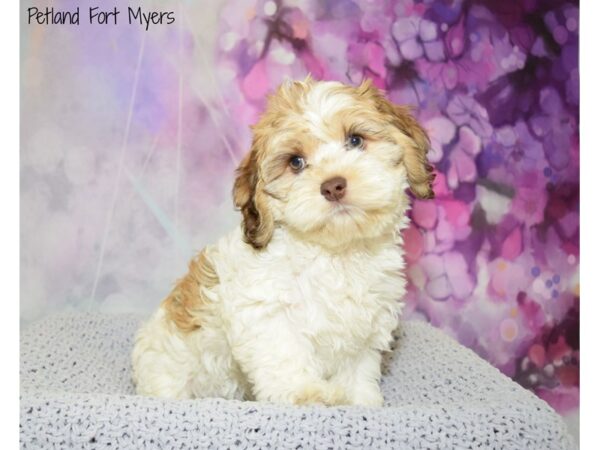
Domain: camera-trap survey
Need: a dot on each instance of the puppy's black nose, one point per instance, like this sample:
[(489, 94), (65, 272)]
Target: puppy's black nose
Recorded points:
[(334, 188)]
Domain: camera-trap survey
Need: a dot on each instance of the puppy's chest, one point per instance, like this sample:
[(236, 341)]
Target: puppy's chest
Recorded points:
[(339, 304)]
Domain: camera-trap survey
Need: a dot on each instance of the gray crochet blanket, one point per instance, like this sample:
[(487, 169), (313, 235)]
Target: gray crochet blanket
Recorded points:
[(76, 392)]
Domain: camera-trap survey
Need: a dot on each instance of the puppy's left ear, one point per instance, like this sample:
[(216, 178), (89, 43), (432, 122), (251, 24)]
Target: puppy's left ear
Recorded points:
[(419, 172), (248, 197)]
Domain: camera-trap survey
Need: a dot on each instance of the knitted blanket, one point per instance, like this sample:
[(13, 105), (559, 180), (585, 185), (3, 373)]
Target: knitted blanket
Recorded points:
[(76, 392)]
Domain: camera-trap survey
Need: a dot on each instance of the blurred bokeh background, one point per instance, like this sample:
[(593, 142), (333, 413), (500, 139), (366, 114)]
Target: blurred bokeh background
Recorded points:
[(130, 139)]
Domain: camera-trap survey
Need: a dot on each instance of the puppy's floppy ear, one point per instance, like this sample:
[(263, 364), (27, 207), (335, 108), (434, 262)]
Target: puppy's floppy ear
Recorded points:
[(249, 198), (419, 171)]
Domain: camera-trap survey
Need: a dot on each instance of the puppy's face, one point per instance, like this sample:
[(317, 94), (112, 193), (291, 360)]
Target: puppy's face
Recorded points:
[(331, 163)]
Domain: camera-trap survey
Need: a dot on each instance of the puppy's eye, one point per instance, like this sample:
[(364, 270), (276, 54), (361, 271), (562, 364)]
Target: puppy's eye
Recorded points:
[(297, 163), (356, 141)]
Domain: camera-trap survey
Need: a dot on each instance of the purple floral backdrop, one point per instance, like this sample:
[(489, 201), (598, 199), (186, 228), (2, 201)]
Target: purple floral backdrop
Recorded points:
[(494, 259), (130, 139)]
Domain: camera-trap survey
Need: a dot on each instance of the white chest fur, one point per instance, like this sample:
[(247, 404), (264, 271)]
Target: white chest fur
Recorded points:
[(338, 303)]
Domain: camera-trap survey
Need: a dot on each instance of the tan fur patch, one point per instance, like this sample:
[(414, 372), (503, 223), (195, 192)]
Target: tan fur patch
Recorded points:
[(249, 196), (419, 171), (249, 187), (184, 304)]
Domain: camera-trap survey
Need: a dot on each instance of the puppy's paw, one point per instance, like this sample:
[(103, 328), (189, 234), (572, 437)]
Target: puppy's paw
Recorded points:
[(320, 392), (367, 396)]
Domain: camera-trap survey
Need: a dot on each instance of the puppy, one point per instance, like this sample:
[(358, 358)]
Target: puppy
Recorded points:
[(297, 305)]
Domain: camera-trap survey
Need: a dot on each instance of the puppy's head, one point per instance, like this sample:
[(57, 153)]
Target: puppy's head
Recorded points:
[(331, 163)]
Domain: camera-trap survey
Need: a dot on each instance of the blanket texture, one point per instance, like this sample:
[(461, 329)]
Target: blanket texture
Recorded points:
[(76, 392)]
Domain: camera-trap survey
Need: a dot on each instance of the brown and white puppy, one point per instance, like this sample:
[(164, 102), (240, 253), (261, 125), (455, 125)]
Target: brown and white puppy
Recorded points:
[(297, 304)]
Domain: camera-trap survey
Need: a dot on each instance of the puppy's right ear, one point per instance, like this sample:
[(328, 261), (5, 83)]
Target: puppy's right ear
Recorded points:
[(248, 197)]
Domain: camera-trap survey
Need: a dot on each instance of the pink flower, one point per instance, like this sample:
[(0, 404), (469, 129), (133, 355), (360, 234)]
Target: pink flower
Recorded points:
[(441, 131), (256, 84), (448, 276), (440, 185), (413, 243), (512, 245), (462, 165), (416, 36), (455, 39), (528, 204), (533, 317), (465, 110), (457, 271), (424, 213), (507, 279)]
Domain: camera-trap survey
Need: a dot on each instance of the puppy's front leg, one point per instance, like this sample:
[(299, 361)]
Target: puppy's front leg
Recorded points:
[(360, 377), (280, 367)]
